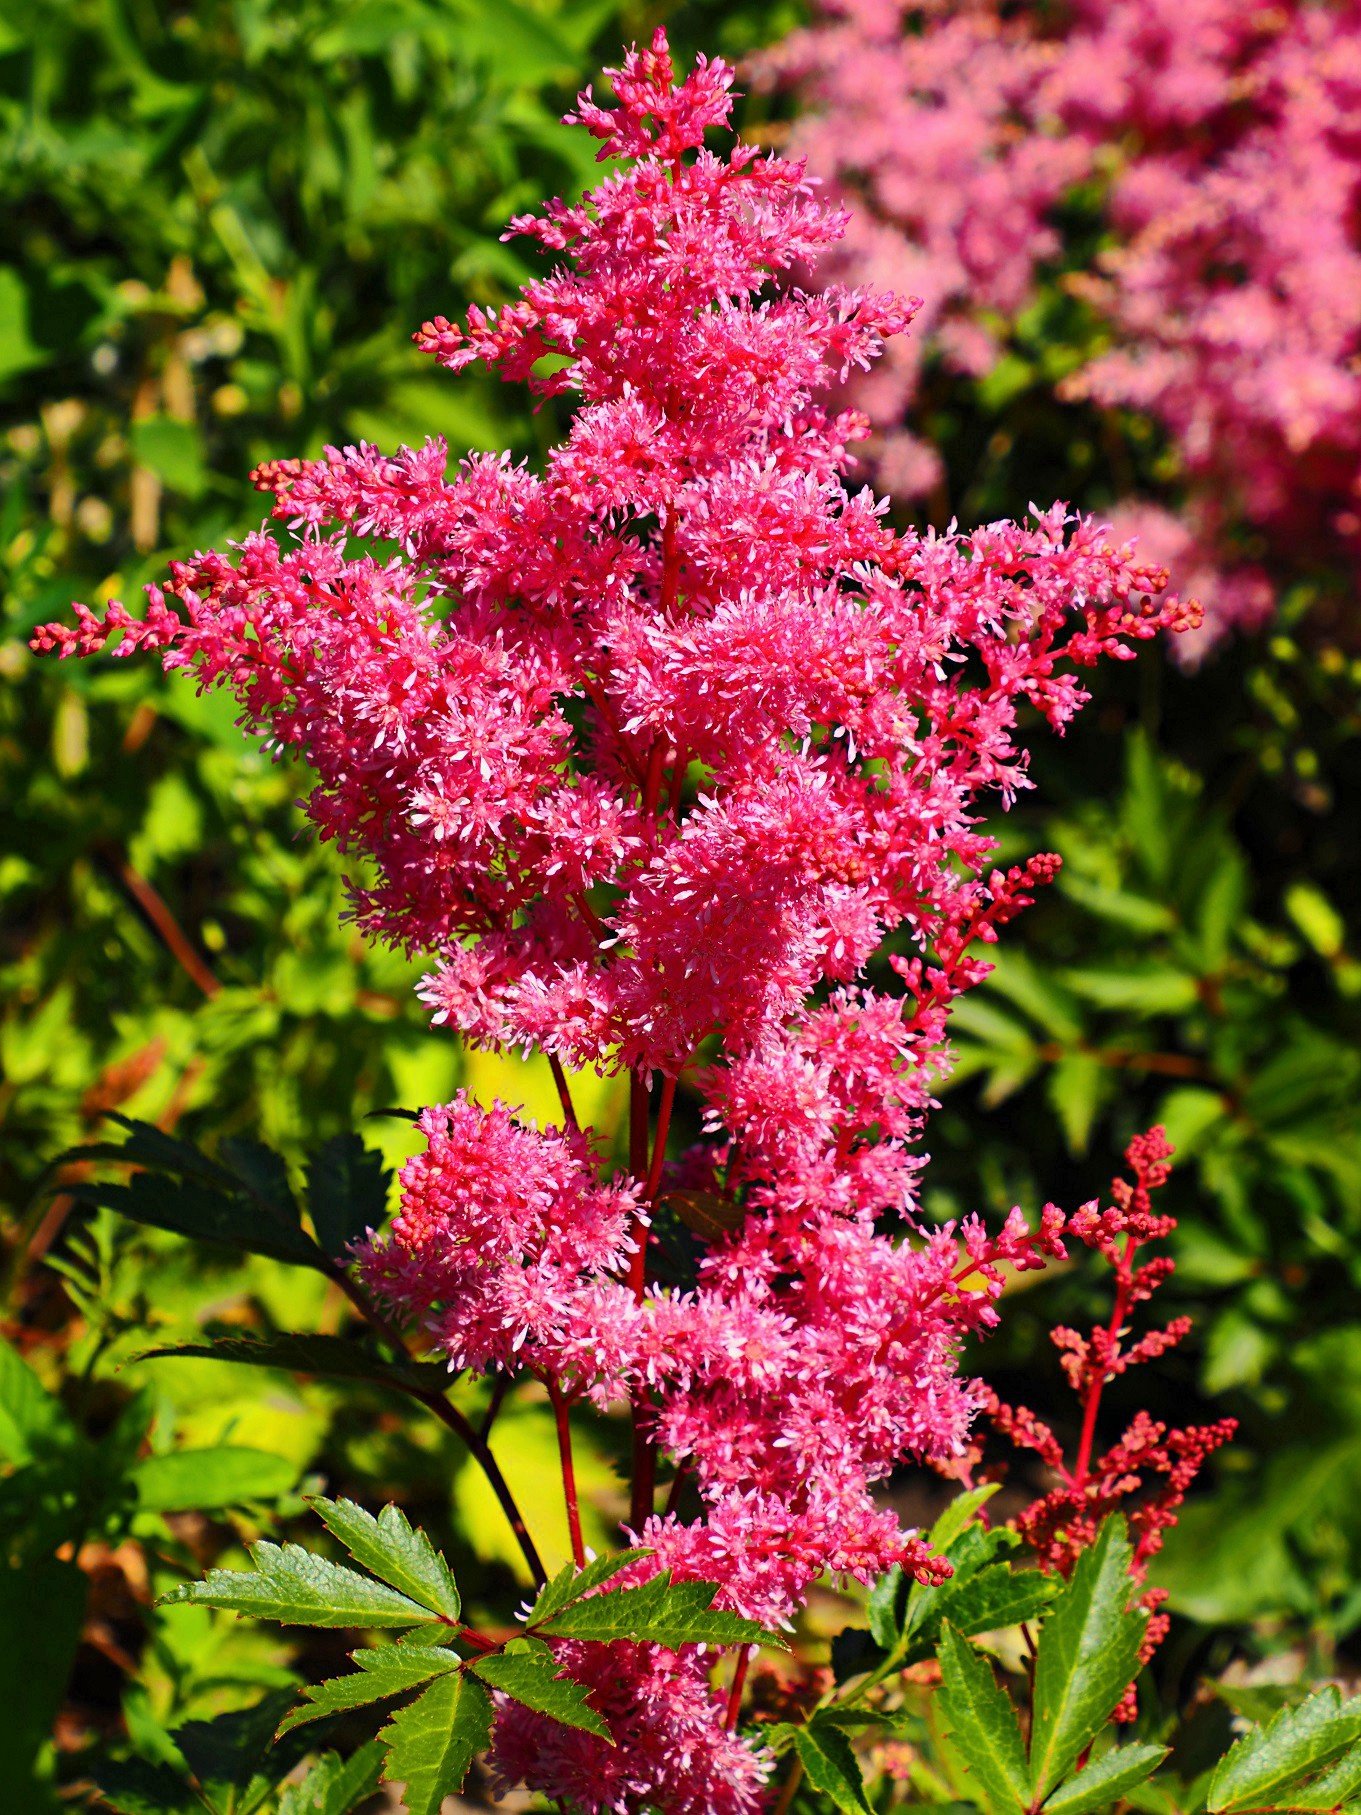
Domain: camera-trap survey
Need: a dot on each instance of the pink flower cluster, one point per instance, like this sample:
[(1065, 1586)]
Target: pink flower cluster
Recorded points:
[(1225, 142), (652, 751)]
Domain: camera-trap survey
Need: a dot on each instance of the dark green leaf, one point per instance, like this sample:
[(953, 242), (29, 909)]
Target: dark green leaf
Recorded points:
[(335, 1357), (298, 1588), (42, 1607), (242, 1201), (432, 1742), (383, 1672), (347, 1192), (854, 1651), (983, 1727), (393, 1551), (1105, 1780), (132, 1786), (1263, 1767), (335, 1786), (1087, 1657), (531, 1678), (831, 1767)]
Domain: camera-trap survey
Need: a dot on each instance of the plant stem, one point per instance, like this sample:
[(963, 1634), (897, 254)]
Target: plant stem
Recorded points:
[(564, 1093), (739, 1681), (788, 1788), (451, 1416), (569, 1478), (664, 1107)]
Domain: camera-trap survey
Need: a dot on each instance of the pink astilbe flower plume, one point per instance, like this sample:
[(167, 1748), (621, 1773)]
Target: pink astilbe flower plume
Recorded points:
[(1221, 144), (650, 752)]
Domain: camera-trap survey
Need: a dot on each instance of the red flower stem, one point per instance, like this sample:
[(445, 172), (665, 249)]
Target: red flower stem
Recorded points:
[(681, 1476), (739, 1680), (652, 785), (644, 1451), (664, 1107), (1097, 1385), (564, 1093), (569, 1476)]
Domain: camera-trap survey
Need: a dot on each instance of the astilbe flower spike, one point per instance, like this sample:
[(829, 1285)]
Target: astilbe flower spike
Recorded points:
[(651, 751), (1146, 1473), (1222, 141)]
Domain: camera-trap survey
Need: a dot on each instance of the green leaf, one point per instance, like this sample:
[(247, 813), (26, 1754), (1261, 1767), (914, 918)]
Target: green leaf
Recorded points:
[(298, 1588), (393, 1551), (385, 1671), (983, 1726), (239, 1751), (32, 1422), (831, 1767), (42, 1608), (530, 1677), (174, 452), (334, 1786), (661, 1612), (203, 1480), (334, 1357), (570, 1583), (132, 1786), (347, 1192), (999, 1596), (1075, 1087), (1105, 1780), (1088, 1655), (432, 1742), (240, 1201), (1261, 1769), (1144, 989)]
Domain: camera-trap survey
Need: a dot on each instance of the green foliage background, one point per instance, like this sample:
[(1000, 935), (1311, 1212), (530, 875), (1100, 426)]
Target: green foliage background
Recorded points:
[(221, 222)]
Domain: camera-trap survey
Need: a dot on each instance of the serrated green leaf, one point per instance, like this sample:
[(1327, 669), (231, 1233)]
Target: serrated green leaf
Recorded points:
[(999, 1596), (1105, 1780), (347, 1192), (531, 1678), (334, 1357), (570, 1583), (203, 1480), (1263, 1766), (661, 1612), (299, 1588), (398, 1669), (335, 1786), (395, 1551), (831, 1767), (983, 1726), (241, 1202), (432, 1742), (1087, 1657), (1337, 1786)]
